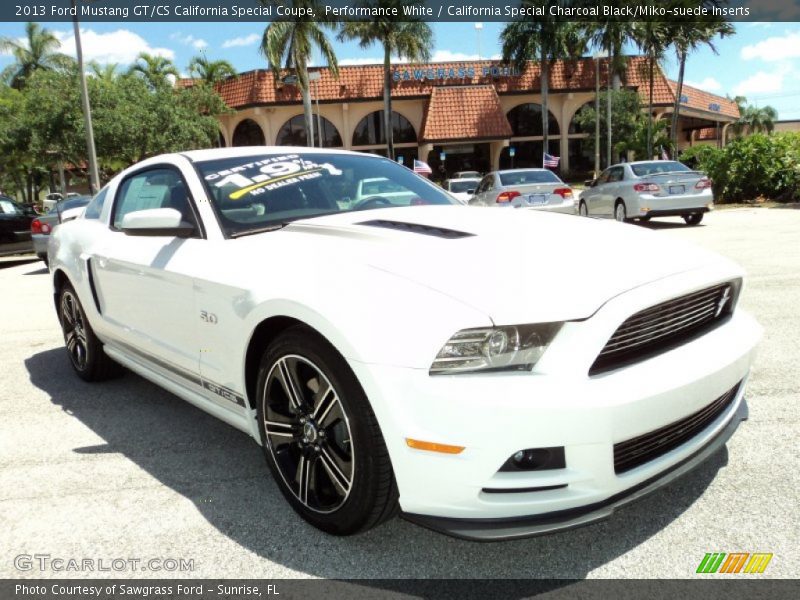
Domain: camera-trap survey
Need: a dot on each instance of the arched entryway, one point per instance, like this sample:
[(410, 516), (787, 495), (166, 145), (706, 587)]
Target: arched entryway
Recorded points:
[(293, 133), (248, 133)]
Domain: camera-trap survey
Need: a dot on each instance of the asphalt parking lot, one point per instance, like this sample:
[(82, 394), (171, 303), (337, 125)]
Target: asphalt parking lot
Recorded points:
[(125, 469)]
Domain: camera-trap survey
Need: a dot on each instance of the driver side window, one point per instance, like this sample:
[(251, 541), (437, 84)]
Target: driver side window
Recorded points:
[(155, 188)]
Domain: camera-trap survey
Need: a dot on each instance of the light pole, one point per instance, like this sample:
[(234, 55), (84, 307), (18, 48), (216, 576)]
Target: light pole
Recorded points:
[(94, 177), (314, 76), (478, 27), (597, 57)]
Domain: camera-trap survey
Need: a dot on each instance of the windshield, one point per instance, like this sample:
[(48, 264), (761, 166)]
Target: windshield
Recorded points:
[(656, 167), (251, 193), (525, 177), (458, 187)]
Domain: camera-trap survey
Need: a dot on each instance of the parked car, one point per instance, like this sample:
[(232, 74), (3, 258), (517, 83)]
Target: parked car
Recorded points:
[(467, 175), (51, 199), (539, 189), (520, 389), (646, 189), (381, 190), (42, 226), (15, 227), (461, 189)]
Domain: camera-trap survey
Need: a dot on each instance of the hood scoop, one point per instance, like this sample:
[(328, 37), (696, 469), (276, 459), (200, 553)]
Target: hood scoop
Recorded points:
[(441, 232)]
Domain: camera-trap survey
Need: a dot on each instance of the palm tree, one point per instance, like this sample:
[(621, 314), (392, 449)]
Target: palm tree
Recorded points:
[(410, 39), (653, 38), (37, 51), (611, 36), (107, 73), (155, 70), (754, 119), (546, 40), (210, 71), (686, 38), (290, 45)]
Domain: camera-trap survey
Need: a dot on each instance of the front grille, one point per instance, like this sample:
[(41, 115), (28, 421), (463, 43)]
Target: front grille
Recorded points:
[(639, 450), (663, 326)]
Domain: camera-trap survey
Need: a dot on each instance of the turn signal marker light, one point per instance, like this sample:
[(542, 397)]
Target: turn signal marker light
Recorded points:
[(433, 446)]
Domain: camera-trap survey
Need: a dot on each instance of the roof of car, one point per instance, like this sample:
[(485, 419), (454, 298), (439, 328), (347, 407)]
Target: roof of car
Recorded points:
[(464, 179)]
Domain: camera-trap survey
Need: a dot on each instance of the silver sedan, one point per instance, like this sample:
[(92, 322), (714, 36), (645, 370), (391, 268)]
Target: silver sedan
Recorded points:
[(645, 189), (525, 188)]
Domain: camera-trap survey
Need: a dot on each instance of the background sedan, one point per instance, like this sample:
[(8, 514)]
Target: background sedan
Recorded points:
[(525, 188), (462, 189), (42, 226), (645, 189), (15, 227)]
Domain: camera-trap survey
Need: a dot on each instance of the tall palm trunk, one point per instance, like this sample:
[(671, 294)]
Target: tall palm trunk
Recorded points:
[(651, 81), (545, 101), (307, 114), (387, 101), (676, 109), (609, 149)]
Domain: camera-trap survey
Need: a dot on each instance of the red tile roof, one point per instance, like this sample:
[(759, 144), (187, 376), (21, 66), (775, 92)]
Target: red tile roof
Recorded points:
[(705, 101), (365, 82), (464, 112)]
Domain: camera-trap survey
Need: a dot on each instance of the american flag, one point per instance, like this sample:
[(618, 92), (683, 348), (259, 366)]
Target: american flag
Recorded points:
[(422, 168), (550, 161)]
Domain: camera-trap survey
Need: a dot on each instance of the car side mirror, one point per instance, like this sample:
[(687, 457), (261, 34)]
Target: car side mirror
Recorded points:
[(590, 182), (472, 191), (156, 222)]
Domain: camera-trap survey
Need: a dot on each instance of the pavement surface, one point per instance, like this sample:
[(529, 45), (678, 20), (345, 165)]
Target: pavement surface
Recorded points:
[(126, 470)]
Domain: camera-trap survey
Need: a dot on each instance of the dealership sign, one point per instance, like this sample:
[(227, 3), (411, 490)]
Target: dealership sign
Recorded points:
[(443, 74)]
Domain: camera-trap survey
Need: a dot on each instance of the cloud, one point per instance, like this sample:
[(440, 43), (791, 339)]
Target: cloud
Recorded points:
[(449, 56), (708, 84), (774, 48), (121, 46), (246, 40), (189, 40), (367, 60), (763, 82)]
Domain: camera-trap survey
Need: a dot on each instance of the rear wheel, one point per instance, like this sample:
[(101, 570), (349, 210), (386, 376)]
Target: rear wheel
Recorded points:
[(321, 439), (85, 351), (620, 213), (583, 209), (693, 219)]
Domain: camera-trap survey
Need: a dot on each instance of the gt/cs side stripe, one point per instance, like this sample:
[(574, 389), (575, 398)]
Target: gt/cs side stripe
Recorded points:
[(219, 390)]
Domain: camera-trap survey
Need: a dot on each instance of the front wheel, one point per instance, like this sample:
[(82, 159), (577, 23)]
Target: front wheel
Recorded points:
[(86, 353), (693, 219), (583, 209), (321, 438)]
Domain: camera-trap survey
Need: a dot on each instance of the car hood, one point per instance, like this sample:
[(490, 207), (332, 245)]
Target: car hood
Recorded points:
[(512, 265)]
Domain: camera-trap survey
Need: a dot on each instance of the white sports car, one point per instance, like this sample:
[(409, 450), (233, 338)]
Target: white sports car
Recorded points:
[(477, 370)]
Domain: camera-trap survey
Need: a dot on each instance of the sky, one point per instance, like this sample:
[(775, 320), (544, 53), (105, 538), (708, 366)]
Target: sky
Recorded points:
[(760, 62)]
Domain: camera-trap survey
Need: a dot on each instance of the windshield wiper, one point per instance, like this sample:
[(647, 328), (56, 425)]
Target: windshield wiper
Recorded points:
[(267, 229)]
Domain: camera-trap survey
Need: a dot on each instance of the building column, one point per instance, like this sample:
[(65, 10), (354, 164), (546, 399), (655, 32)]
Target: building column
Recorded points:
[(725, 134), (564, 141), (422, 152), (260, 116), (347, 140), (495, 149)]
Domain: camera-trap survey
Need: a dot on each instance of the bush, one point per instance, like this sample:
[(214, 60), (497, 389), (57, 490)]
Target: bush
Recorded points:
[(751, 167)]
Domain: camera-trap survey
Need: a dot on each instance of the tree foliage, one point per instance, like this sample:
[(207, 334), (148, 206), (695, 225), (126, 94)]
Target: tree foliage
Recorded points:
[(43, 124)]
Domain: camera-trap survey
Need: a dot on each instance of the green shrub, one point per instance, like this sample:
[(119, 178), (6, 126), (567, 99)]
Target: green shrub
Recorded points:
[(751, 167)]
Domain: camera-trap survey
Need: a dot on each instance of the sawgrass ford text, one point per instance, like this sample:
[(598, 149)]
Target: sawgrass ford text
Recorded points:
[(632, 11)]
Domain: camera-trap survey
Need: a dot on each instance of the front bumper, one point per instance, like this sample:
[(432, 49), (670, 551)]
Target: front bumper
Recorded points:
[(487, 530), (494, 415)]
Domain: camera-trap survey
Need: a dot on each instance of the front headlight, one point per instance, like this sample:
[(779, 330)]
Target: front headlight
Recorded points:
[(508, 348)]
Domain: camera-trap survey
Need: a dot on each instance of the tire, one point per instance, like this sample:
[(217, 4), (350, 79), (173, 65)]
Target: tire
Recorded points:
[(693, 219), (86, 354), (320, 431), (620, 212), (583, 210)]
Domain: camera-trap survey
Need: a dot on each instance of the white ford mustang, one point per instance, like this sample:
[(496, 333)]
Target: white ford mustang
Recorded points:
[(490, 375)]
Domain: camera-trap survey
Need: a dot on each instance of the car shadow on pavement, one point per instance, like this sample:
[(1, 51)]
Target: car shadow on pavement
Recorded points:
[(223, 472), (42, 271), (656, 225)]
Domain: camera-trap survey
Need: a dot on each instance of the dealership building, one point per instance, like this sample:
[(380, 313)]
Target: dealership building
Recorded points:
[(479, 115)]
